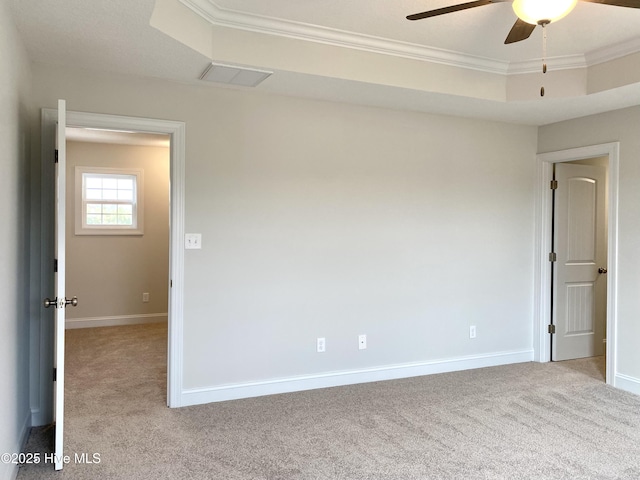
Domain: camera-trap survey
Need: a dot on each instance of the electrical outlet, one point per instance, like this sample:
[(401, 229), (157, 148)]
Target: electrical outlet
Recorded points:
[(472, 331), (362, 342), (145, 297), (321, 345)]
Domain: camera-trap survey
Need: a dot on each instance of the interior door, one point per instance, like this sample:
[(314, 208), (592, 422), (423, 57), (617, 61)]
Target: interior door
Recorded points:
[(60, 302), (580, 236), (60, 222)]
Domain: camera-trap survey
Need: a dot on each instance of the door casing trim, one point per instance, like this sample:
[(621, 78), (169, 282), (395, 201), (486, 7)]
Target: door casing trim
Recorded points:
[(40, 403), (543, 228)]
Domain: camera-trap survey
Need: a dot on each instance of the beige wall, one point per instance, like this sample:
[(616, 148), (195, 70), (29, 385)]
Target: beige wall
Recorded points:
[(109, 273), (619, 126), (334, 220)]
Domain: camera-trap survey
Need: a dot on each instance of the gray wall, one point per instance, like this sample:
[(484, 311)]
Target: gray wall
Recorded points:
[(326, 219), (15, 83), (620, 126), (109, 273)]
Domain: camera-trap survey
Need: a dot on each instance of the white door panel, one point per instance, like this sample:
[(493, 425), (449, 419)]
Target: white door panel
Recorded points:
[(580, 244), (60, 190), (60, 302)]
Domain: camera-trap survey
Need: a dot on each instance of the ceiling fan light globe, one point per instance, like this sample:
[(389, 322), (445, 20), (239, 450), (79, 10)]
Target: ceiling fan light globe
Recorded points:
[(534, 11)]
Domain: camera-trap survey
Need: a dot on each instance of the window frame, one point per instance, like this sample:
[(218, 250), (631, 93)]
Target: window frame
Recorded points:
[(82, 228)]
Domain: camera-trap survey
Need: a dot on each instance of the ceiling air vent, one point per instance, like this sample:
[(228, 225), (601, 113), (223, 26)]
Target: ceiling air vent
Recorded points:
[(233, 75)]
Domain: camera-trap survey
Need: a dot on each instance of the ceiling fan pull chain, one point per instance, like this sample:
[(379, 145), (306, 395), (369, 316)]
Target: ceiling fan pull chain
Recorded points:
[(543, 24)]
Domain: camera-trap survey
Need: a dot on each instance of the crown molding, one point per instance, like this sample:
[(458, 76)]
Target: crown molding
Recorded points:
[(224, 17), (568, 62), (613, 52)]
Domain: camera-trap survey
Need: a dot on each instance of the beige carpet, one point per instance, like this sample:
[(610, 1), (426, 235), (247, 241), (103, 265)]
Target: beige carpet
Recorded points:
[(526, 421)]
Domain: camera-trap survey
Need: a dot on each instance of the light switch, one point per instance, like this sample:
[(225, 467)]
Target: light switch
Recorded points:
[(192, 241)]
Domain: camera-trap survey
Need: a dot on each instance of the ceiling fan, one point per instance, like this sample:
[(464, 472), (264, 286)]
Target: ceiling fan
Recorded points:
[(530, 13)]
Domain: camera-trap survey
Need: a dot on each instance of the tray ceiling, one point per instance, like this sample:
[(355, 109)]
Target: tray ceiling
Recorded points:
[(361, 51)]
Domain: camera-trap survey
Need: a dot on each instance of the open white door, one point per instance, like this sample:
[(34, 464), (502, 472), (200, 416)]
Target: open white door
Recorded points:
[(58, 350), (60, 301), (580, 242)]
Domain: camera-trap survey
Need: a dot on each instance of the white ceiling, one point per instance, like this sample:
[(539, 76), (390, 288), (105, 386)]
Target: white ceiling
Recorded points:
[(478, 31), (112, 35), (116, 36)]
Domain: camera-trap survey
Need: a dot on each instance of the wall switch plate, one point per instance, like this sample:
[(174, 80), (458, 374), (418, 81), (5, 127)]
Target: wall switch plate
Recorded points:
[(192, 241), (145, 297), (472, 331), (321, 345), (362, 342)]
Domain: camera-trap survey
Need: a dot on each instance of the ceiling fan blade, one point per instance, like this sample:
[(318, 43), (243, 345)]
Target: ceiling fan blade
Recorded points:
[(521, 30), (453, 8), (617, 3)]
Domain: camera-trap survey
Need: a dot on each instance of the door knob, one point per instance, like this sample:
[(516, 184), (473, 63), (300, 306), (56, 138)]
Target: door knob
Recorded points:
[(50, 303), (73, 302), (602, 270), (54, 303)]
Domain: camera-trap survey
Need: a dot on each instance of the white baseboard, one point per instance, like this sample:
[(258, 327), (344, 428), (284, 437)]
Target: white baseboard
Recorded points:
[(10, 470), (222, 393), (37, 418), (625, 382), (115, 320)]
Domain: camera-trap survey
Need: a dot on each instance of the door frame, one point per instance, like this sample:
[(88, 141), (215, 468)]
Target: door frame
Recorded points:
[(543, 229), (41, 404)]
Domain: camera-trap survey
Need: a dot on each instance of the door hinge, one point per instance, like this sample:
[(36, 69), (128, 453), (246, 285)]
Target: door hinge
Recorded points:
[(55, 265), (55, 374), (553, 257), (554, 185), (552, 329), (56, 157)]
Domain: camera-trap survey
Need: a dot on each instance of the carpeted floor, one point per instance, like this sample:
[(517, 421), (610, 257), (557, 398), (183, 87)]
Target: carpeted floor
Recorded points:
[(525, 421)]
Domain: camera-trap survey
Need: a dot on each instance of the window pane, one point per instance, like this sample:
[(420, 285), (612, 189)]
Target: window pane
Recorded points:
[(110, 219), (94, 219), (125, 219), (94, 194), (111, 183), (125, 195), (110, 200), (92, 182), (94, 208), (125, 184), (110, 194)]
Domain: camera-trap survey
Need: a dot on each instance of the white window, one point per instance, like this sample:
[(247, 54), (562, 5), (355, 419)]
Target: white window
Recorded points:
[(109, 201)]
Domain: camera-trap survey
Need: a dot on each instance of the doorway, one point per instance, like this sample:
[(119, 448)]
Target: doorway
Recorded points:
[(42, 357), (117, 232), (543, 301), (117, 265)]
